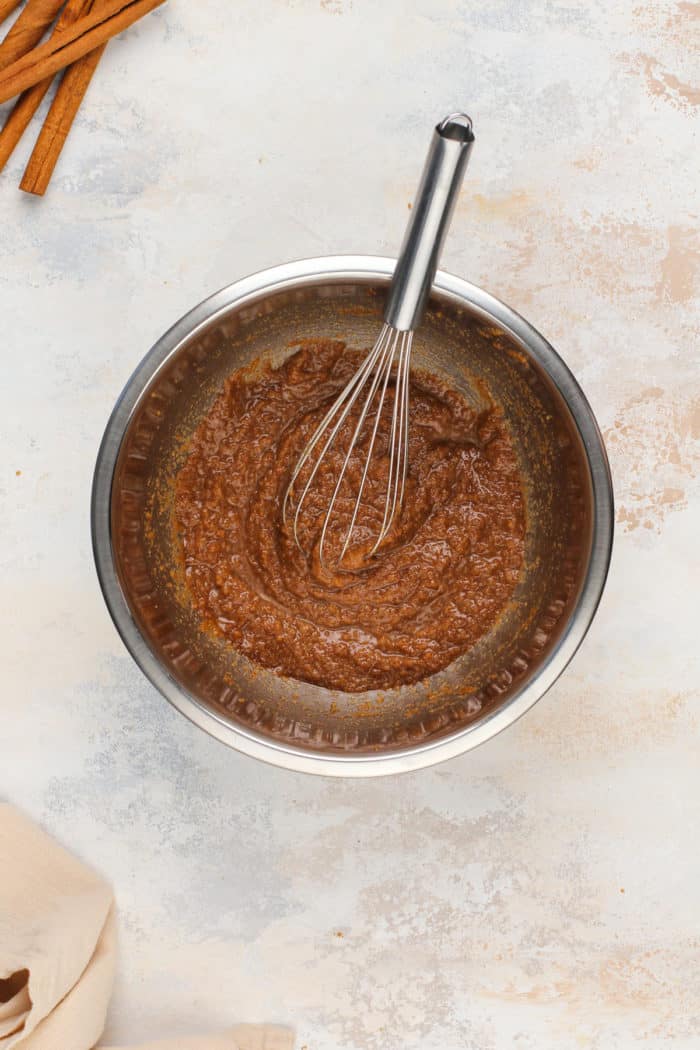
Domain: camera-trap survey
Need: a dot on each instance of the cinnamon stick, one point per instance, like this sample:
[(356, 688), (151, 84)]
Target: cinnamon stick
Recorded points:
[(84, 35), (27, 29), (28, 103), (59, 120), (7, 7)]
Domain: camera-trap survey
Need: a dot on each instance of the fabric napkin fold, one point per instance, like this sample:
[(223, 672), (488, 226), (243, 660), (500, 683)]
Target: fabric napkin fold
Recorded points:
[(58, 952)]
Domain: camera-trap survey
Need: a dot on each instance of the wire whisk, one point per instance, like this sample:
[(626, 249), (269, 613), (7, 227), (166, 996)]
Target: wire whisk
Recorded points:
[(390, 356)]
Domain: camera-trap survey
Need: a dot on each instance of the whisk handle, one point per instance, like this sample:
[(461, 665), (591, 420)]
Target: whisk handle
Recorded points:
[(437, 193)]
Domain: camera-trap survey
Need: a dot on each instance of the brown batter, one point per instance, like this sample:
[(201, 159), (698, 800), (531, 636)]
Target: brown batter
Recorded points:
[(438, 583)]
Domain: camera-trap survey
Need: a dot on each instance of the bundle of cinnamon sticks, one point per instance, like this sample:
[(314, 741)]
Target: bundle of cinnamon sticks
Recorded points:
[(79, 32)]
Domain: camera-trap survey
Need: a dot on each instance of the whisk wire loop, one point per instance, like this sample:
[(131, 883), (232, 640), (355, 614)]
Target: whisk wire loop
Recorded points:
[(373, 378)]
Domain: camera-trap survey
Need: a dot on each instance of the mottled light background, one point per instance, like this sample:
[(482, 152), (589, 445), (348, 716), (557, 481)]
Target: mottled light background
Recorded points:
[(543, 891)]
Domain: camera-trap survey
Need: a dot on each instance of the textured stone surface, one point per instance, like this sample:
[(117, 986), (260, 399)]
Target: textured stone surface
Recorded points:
[(541, 892)]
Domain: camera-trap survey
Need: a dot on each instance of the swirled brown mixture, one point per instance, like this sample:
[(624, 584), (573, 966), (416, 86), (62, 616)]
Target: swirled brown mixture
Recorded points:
[(437, 584)]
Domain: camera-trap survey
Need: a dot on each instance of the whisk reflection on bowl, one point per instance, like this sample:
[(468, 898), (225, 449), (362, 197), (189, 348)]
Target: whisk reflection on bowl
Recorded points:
[(387, 366)]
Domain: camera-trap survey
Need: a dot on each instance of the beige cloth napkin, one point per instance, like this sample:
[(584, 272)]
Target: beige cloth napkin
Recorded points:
[(58, 952)]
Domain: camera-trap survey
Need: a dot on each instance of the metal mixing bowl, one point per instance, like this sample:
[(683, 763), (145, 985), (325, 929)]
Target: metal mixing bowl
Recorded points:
[(480, 344)]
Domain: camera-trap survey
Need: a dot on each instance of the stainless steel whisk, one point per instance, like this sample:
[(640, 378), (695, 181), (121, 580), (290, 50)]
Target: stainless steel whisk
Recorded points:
[(408, 296)]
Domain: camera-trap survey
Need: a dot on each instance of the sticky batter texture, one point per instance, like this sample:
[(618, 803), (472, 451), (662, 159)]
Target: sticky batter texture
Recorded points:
[(439, 581)]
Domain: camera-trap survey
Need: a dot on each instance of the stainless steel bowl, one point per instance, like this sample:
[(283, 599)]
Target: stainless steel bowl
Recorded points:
[(479, 343)]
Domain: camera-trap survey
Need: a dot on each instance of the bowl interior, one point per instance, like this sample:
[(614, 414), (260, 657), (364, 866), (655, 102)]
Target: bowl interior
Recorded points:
[(456, 340)]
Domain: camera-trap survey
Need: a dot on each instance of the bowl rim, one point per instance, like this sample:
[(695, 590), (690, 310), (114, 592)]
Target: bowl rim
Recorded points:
[(340, 268)]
